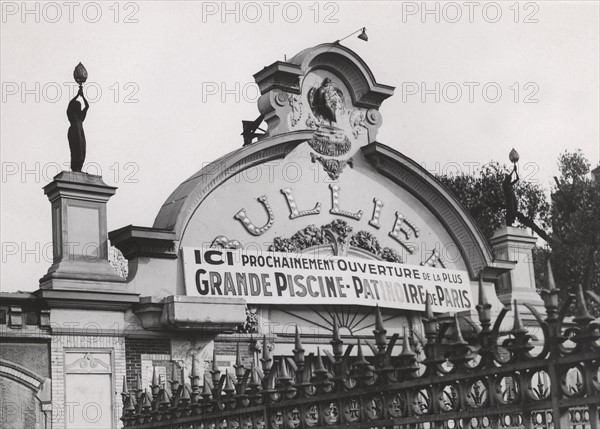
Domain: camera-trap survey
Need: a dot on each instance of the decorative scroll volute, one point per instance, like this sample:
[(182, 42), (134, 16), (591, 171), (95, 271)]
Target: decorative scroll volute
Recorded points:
[(89, 363)]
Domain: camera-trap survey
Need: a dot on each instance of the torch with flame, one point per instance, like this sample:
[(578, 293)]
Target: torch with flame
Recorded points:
[(80, 74), (513, 156)]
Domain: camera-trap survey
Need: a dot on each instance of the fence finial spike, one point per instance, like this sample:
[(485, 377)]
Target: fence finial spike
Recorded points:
[(265, 350), (155, 380), (298, 352), (518, 326), (238, 356), (146, 403), (379, 331), (206, 390), (215, 364), (458, 337), (550, 295), (582, 315), (254, 376), (406, 350), (378, 319), (138, 381), (483, 307), (130, 404), (238, 367), (195, 371), (298, 342), (319, 365), (266, 359), (360, 357), (163, 397), (483, 300), (283, 371), (125, 391), (429, 321), (336, 330), (174, 372), (228, 384), (428, 310), (336, 341), (551, 283), (185, 393)]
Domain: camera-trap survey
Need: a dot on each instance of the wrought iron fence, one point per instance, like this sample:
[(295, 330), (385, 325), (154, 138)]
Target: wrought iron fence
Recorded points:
[(496, 380)]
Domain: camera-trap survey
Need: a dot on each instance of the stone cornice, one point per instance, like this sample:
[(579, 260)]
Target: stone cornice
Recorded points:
[(87, 300), (79, 185), (138, 241), (514, 237), (178, 312), (279, 75), (17, 297)]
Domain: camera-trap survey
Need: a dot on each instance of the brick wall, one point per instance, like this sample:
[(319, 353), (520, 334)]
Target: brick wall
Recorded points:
[(135, 348), (228, 348)]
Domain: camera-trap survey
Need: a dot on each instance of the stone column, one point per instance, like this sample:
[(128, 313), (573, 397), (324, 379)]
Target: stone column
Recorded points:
[(79, 234), (515, 245)]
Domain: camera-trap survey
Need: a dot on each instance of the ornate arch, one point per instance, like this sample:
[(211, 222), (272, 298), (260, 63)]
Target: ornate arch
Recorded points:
[(21, 375), (38, 385)]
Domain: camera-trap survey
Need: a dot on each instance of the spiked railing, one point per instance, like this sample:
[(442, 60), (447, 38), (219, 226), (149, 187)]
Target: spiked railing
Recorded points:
[(495, 379)]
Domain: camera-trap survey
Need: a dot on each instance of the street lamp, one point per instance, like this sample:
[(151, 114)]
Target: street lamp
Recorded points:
[(361, 36)]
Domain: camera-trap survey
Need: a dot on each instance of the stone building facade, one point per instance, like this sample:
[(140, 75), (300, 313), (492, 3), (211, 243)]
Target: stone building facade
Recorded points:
[(317, 185)]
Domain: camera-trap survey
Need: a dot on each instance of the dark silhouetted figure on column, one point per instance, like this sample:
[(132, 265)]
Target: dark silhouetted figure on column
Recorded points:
[(510, 198), (76, 135)]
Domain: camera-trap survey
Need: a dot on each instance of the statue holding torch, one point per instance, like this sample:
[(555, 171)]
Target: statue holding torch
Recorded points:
[(508, 183), (76, 117)]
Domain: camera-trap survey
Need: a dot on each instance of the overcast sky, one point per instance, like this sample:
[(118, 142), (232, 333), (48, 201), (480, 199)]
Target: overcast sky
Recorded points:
[(169, 83)]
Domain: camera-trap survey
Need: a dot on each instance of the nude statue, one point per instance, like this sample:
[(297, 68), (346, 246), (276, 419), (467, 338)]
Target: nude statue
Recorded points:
[(76, 135)]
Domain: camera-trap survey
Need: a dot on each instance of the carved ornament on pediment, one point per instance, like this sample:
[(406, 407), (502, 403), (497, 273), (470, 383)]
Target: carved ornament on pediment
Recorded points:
[(333, 167), (224, 243), (88, 363)]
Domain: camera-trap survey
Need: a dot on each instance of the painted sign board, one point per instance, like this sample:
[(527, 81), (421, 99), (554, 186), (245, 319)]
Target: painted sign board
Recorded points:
[(299, 279)]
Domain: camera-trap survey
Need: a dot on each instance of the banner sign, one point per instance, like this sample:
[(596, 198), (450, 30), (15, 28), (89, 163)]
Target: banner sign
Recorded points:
[(290, 278)]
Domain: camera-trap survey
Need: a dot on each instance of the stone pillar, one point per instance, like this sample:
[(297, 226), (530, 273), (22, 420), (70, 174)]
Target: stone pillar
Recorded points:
[(79, 234), (516, 244)]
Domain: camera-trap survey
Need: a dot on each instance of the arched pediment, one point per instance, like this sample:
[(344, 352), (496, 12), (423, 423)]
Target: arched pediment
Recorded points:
[(322, 111), (285, 100), (184, 204), (346, 64)]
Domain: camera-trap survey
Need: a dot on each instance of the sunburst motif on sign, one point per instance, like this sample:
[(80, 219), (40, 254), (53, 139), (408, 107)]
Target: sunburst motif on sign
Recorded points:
[(351, 320)]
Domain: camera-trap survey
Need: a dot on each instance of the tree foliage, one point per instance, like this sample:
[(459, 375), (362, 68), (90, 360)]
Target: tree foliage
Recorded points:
[(570, 223), (481, 194), (575, 216)]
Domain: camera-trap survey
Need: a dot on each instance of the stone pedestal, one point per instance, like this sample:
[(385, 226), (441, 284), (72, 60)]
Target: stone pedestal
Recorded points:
[(515, 245), (79, 234)]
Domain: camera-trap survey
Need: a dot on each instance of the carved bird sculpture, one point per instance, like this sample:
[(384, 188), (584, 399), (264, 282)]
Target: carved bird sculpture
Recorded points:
[(326, 100)]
